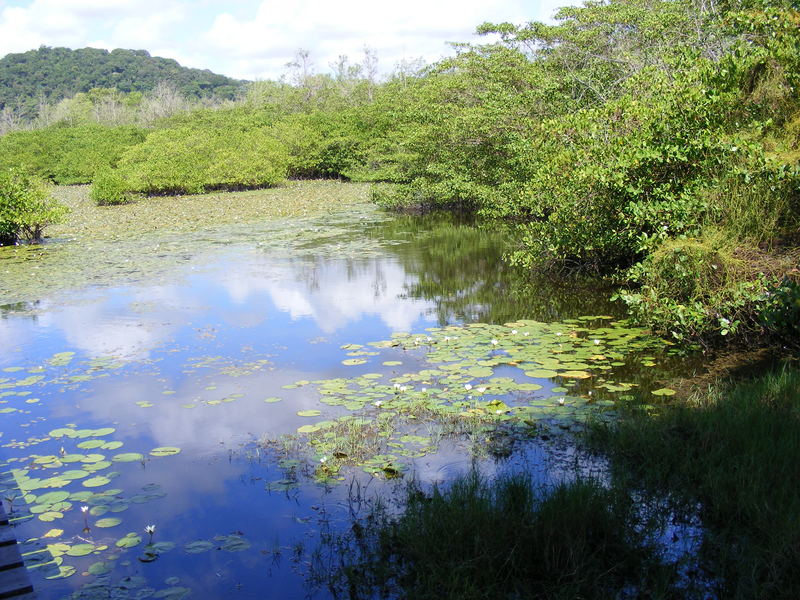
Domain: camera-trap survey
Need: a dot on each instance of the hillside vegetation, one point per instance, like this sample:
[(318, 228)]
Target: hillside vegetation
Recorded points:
[(52, 74), (653, 142)]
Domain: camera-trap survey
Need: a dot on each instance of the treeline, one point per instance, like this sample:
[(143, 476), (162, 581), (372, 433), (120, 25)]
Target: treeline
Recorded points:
[(652, 141), (51, 74)]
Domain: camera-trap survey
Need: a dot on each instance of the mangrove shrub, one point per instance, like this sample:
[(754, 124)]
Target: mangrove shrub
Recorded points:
[(26, 208)]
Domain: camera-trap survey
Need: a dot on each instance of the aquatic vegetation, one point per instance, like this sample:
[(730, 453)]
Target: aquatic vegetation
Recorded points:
[(477, 380), (143, 241), (737, 471), (501, 539)]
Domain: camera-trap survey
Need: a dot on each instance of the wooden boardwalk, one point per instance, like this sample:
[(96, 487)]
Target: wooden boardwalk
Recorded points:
[(14, 580)]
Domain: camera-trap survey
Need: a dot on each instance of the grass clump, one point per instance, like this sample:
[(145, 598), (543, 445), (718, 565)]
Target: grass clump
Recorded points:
[(734, 453), (501, 539)]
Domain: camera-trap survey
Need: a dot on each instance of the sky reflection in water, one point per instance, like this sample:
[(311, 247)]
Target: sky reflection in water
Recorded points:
[(189, 363)]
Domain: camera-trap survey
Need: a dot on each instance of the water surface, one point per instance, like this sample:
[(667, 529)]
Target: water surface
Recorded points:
[(158, 381)]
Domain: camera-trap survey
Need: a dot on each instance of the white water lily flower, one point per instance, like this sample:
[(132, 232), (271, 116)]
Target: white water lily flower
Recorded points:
[(494, 342), (597, 342), (481, 389), (526, 333), (403, 388), (561, 401), (84, 509), (151, 529), (514, 331), (498, 412), (323, 460), (558, 333), (467, 386), (377, 403), (397, 386)]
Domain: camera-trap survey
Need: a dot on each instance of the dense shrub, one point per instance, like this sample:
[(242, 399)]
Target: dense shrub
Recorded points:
[(109, 188), (26, 208), (192, 160), (67, 155)]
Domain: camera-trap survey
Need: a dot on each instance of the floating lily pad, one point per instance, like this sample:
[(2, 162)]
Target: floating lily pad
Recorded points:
[(53, 533), (96, 481), (50, 515), (663, 392), (272, 399), (165, 451), (354, 361), (99, 568), (128, 457), (64, 571), (91, 444), (172, 593), (129, 541), (80, 550), (233, 543), (52, 497), (108, 522), (309, 413), (541, 373), (198, 547)]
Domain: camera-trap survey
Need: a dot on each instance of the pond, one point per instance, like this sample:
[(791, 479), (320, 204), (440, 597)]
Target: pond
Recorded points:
[(232, 387)]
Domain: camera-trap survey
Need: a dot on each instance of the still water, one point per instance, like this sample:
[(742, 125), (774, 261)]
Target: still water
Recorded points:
[(234, 387)]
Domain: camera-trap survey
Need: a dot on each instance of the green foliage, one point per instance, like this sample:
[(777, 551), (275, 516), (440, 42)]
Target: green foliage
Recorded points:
[(67, 155), (61, 73), (109, 188), (186, 159), (781, 311), (26, 208), (501, 539), (738, 465)]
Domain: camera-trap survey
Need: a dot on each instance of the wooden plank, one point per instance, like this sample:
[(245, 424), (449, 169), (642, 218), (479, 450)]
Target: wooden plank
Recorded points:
[(9, 557), (7, 536), (15, 583)]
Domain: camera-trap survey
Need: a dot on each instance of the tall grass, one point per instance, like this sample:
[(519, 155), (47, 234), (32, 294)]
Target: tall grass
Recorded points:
[(501, 539), (735, 453)]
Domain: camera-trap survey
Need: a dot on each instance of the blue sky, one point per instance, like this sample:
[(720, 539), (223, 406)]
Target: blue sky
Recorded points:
[(254, 39)]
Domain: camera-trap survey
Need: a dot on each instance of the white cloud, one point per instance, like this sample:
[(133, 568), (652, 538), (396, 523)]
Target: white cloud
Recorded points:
[(262, 44), (75, 23), (332, 294), (255, 39)]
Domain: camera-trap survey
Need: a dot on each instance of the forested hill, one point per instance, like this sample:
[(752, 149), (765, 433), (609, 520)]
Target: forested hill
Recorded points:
[(58, 73)]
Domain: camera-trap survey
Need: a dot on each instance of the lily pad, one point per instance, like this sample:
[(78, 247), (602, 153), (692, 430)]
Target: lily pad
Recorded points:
[(128, 457), (80, 550), (96, 481), (99, 568), (129, 541), (198, 547), (108, 522), (165, 451), (663, 392), (309, 413)]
